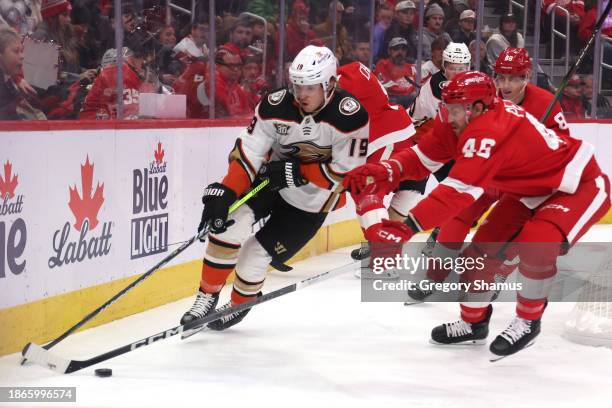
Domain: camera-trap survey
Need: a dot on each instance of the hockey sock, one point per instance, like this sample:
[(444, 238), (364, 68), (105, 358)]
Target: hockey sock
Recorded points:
[(471, 314), (530, 309), (238, 297)]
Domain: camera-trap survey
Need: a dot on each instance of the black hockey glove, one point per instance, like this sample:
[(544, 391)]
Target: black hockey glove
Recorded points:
[(282, 174), (217, 200)]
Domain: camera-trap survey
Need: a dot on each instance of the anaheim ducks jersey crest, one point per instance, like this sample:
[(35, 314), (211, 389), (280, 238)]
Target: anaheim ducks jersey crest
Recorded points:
[(331, 140)]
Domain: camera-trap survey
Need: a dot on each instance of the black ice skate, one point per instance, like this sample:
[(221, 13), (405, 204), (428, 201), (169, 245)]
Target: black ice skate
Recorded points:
[(204, 304), (498, 280), (520, 334), (361, 253), (229, 320), (461, 332), (431, 242), (419, 295)]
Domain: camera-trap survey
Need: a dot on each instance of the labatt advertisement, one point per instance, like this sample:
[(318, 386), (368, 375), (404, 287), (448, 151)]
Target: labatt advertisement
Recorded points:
[(13, 231), (149, 228), (85, 237)]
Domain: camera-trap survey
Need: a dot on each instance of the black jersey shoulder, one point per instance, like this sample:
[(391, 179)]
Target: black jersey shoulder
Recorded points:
[(344, 112), (436, 82), (279, 104)]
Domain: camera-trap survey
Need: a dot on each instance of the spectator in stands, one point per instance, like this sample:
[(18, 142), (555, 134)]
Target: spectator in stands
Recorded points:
[(361, 49), (240, 36), (324, 32), (81, 19), (587, 94), (434, 22), (11, 60), (484, 66), (133, 36), (192, 83), (231, 100), (101, 101), (434, 65), (507, 36), (384, 16), (451, 17), (465, 33), (402, 26), (460, 6), (397, 75), (252, 80), (193, 46), (298, 31), (571, 100), (167, 67), (56, 27)]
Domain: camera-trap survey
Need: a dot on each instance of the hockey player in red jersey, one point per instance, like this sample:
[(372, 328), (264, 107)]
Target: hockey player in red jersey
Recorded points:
[(497, 144), (390, 131), (512, 71), (303, 142)]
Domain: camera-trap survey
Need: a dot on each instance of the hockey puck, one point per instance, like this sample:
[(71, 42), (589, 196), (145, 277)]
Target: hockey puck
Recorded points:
[(103, 372)]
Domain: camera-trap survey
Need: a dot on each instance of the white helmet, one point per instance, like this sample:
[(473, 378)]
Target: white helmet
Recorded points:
[(314, 65), (456, 53)]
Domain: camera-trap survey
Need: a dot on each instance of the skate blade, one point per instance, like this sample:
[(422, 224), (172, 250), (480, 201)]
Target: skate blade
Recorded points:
[(382, 276), (413, 302), (478, 342), (494, 357), (195, 330)]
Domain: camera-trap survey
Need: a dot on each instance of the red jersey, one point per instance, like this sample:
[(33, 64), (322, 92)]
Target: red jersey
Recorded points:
[(231, 99), (390, 125), (101, 101), (188, 84), (393, 77), (536, 102), (505, 148)]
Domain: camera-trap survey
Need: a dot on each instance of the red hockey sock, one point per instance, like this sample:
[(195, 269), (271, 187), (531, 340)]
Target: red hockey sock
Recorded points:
[(530, 309), (238, 297), (473, 314), (214, 276)]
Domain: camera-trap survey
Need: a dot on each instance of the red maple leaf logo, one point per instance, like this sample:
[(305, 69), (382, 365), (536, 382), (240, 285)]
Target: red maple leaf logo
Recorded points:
[(159, 154), (8, 184), (89, 205)]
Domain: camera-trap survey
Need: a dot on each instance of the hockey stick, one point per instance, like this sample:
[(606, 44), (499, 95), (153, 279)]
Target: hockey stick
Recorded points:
[(43, 357), (578, 62), (148, 273)]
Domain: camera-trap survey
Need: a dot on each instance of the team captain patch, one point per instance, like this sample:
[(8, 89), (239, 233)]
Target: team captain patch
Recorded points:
[(348, 106), (276, 97)]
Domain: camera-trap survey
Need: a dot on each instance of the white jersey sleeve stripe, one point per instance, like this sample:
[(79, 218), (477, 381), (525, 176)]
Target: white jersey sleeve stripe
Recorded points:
[(573, 170), (430, 164), (592, 208), (461, 187), (391, 138)]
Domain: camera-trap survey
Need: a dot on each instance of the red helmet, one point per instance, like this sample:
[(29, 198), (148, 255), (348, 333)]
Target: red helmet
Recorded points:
[(513, 61), (469, 87)]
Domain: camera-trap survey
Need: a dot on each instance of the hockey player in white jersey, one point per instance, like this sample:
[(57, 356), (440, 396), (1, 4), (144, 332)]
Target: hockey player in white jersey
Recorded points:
[(312, 136), (456, 58)]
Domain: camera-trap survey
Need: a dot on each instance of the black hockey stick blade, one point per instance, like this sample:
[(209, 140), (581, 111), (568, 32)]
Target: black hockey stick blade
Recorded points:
[(578, 62), (43, 357)]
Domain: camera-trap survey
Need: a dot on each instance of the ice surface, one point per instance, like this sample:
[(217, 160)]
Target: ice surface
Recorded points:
[(321, 345)]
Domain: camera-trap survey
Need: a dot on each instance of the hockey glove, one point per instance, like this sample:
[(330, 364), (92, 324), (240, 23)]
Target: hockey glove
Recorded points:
[(371, 178), (390, 232), (282, 174), (217, 200)]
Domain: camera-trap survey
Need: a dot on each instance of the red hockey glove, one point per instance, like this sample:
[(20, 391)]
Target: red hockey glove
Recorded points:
[(392, 232), (373, 177)]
